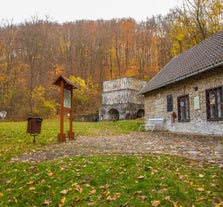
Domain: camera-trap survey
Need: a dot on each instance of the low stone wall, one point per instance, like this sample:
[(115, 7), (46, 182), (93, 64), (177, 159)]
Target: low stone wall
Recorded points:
[(87, 118)]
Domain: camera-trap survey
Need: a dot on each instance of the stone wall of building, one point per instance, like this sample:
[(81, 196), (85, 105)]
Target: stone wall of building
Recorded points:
[(155, 103), (122, 84), (122, 96), (120, 99), (125, 111)]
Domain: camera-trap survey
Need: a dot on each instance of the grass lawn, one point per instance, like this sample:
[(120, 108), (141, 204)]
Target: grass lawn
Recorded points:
[(103, 180)]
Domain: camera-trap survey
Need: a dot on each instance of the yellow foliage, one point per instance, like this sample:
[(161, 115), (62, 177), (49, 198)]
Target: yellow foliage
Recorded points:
[(79, 81), (86, 96), (38, 93)]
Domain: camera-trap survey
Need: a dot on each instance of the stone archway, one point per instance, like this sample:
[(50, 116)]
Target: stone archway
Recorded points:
[(113, 115), (140, 113)]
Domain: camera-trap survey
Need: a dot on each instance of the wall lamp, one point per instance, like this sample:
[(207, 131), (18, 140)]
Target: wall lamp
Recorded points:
[(196, 88)]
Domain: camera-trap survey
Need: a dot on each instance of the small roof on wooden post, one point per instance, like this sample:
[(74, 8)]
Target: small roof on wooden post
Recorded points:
[(65, 105), (67, 83)]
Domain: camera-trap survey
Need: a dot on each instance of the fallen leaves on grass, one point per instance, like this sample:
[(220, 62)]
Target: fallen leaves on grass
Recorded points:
[(31, 182), (114, 197), (79, 188), (32, 188), (152, 170), (141, 177), (175, 204), (104, 186), (200, 175), (219, 204), (62, 202), (155, 203), (200, 189), (47, 202), (64, 192), (106, 192), (167, 198), (92, 192)]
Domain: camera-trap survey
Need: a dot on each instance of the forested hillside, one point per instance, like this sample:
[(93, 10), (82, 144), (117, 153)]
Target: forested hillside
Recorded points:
[(35, 52)]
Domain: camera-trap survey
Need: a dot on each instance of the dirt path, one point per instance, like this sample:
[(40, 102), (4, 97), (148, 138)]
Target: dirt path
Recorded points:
[(200, 148)]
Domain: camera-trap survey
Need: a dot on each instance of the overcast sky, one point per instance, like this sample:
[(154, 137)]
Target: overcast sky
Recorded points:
[(72, 10)]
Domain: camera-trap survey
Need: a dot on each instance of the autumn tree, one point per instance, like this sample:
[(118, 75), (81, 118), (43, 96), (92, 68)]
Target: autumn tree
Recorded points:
[(33, 43), (42, 106), (194, 21), (12, 71), (86, 96)]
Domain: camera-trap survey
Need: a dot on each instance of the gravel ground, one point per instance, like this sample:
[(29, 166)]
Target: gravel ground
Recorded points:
[(194, 147)]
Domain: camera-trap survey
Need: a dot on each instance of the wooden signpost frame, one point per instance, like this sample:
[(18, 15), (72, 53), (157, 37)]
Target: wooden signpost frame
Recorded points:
[(66, 105)]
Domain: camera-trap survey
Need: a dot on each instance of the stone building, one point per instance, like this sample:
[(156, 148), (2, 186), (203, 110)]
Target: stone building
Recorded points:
[(120, 99), (188, 91)]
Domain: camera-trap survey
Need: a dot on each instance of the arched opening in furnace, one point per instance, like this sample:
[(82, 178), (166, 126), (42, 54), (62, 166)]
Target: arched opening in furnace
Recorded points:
[(140, 113), (113, 115)]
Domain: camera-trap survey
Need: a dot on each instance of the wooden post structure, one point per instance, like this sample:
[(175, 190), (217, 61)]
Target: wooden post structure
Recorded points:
[(66, 105)]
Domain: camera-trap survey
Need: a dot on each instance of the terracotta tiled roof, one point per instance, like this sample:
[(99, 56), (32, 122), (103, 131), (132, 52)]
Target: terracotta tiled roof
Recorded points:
[(204, 56)]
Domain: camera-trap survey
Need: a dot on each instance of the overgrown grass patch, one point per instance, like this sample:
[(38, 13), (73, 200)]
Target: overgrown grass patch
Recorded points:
[(105, 180)]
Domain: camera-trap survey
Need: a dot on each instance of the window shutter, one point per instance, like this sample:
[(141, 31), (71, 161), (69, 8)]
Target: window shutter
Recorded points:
[(169, 102)]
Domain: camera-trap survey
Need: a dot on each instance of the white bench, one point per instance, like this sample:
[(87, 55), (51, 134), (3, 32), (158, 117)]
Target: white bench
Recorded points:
[(153, 123)]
